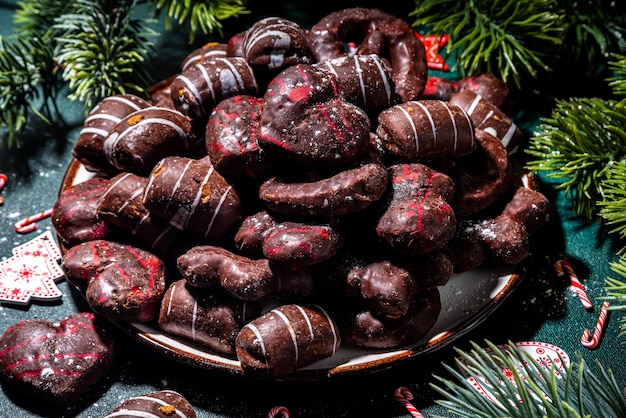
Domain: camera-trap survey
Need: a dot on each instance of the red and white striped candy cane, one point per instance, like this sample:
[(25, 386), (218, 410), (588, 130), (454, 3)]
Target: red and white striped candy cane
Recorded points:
[(3, 182), (404, 396), (27, 224), (278, 411), (589, 341), (561, 267)]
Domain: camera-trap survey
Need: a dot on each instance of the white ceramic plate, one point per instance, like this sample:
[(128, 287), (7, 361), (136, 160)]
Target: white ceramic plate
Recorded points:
[(466, 301)]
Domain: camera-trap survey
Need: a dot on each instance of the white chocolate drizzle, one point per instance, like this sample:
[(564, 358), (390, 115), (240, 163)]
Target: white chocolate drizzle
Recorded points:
[(456, 132), (96, 131), (292, 333), (217, 210), (209, 84), (123, 100), (176, 185), (182, 216), (332, 328), (192, 88), (384, 78), (359, 72), (230, 81), (408, 117), (110, 143), (144, 414), (169, 303), (259, 338), (472, 106), (430, 119)]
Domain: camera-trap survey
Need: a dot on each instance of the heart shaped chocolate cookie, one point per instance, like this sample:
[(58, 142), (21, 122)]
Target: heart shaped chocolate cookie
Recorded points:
[(56, 362)]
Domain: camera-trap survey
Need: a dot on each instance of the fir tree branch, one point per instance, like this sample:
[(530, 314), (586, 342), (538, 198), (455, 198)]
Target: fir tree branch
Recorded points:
[(613, 208), (618, 66), (203, 15), (21, 75), (509, 38), (537, 390), (593, 31), (104, 51), (616, 292), (36, 17), (577, 145)]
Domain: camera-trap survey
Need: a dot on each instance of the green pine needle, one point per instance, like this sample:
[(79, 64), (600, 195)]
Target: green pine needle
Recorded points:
[(577, 145), (104, 51), (618, 82), (36, 17), (203, 15), (616, 292), (536, 390), (509, 38), (21, 74), (613, 207), (593, 31)]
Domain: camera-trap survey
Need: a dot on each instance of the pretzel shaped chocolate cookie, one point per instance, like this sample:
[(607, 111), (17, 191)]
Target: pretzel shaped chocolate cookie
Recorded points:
[(374, 32)]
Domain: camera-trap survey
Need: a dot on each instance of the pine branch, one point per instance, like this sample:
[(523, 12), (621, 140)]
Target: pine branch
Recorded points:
[(577, 145), (616, 292), (36, 17), (618, 66), (509, 38), (613, 208), (593, 31), (537, 390), (203, 15), (21, 74), (104, 51)]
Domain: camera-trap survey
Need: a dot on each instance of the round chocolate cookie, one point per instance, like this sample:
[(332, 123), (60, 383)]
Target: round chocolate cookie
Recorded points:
[(425, 130), (74, 215), (121, 205), (89, 148), (161, 404), (205, 52), (273, 44), (488, 117), (203, 85), (285, 339), (365, 81), (192, 196), (143, 138), (205, 317)]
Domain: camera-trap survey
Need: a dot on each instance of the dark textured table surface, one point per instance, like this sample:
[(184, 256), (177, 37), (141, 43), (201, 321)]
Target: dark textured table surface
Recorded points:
[(540, 309)]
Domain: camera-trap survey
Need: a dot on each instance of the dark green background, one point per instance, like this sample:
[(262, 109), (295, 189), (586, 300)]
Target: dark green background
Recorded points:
[(540, 309)]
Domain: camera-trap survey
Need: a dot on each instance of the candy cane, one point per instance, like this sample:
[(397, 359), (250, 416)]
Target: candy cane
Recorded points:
[(404, 396), (27, 224), (592, 342), (278, 410), (563, 267), (3, 182)]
